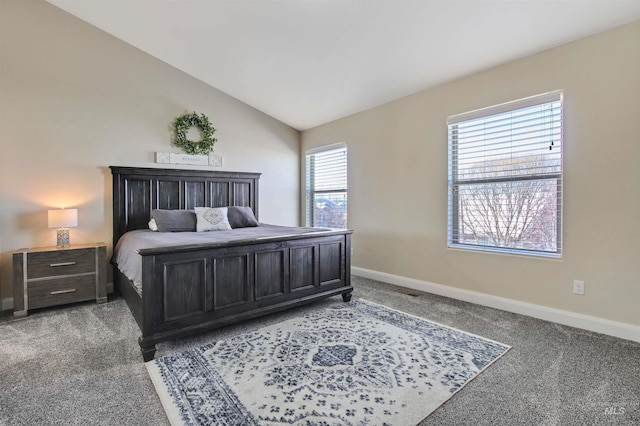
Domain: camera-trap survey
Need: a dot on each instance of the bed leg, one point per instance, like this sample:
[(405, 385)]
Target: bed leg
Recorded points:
[(346, 297), (148, 351)]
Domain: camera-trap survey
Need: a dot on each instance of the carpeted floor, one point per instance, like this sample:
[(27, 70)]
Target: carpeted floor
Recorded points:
[(81, 365)]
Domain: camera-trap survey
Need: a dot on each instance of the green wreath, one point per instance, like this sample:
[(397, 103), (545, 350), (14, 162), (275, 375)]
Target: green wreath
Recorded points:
[(182, 125)]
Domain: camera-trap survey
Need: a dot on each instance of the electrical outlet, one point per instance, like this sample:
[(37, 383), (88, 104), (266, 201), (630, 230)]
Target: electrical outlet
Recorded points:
[(578, 287), (351, 251)]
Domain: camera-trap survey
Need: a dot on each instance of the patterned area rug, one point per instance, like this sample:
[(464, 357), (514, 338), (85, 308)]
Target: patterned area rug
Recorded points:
[(354, 363)]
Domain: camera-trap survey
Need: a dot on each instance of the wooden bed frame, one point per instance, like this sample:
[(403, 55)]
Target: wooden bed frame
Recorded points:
[(189, 289)]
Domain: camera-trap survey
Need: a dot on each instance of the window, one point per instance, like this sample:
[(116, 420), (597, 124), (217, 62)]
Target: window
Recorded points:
[(326, 184), (505, 177)]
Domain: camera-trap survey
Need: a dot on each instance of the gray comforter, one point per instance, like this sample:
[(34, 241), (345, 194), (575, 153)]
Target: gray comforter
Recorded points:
[(129, 262)]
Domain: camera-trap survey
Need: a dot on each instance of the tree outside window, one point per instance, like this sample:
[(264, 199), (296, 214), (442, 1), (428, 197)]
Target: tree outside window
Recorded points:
[(505, 177), (326, 187)]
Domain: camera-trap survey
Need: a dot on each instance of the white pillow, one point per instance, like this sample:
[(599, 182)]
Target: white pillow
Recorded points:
[(212, 219), (152, 225)]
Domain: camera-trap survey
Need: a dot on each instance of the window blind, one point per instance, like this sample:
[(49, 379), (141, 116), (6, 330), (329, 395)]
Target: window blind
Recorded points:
[(505, 177), (326, 187)]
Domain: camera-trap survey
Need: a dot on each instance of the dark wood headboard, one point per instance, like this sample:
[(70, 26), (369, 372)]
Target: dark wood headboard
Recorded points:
[(137, 191)]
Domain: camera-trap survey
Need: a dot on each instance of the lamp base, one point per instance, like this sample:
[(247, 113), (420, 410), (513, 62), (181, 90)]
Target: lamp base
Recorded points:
[(63, 237)]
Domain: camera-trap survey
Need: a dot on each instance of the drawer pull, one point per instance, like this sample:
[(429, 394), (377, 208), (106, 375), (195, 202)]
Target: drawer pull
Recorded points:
[(53, 265), (71, 290)]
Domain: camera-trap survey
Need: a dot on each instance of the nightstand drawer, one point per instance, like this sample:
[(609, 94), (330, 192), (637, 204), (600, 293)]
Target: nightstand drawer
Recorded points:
[(62, 262), (61, 290), (49, 276)]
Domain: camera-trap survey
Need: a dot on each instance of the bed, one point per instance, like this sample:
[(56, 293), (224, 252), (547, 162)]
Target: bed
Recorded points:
[(189, 286)]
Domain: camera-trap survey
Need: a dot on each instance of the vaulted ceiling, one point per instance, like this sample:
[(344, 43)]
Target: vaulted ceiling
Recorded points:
[(309, 62)]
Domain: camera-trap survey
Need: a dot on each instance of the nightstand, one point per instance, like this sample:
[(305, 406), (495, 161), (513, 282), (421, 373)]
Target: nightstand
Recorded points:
[(51, 276)]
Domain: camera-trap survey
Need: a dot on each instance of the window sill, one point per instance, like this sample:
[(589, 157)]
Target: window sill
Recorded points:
[(505, 251)]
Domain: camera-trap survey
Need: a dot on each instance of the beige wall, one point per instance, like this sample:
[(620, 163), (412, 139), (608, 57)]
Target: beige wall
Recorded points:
[(398, 180), (74, 100)]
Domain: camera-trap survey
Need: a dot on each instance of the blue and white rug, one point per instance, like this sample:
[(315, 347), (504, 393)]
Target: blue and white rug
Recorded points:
[(353, 363)]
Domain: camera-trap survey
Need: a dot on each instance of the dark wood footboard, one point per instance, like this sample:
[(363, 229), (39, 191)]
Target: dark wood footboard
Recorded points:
[(188, 291)]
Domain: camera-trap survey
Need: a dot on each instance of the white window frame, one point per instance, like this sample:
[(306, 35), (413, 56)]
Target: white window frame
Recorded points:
[(310, 188), (457, 182)]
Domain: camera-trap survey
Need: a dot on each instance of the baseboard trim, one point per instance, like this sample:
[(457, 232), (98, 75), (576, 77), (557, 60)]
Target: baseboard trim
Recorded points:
[(585, 322), (6, 304)]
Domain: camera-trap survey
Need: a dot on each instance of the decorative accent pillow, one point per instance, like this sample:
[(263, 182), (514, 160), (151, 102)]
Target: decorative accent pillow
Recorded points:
[(241, 217), (174, 220), (152, 225), (212, 219)]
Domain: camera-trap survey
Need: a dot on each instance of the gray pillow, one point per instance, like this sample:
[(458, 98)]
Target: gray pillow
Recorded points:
[(174, 220), (241, 217)]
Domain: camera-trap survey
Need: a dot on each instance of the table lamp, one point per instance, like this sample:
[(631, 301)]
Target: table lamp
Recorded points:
[(63, 219)]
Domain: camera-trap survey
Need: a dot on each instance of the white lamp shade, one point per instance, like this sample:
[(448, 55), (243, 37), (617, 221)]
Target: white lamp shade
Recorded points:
[(63, 218)]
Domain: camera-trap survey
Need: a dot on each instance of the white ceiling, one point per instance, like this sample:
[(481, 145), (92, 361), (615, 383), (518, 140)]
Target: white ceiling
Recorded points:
[(308, 62)]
